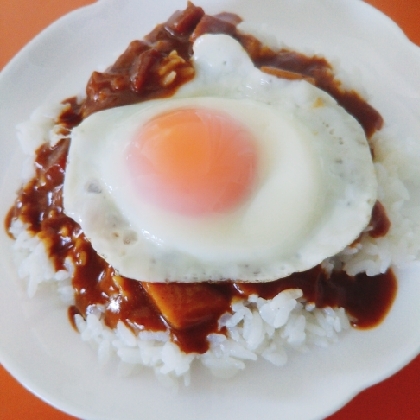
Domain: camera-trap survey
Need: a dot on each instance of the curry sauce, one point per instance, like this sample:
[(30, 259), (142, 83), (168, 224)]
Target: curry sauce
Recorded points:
[(154, 68)]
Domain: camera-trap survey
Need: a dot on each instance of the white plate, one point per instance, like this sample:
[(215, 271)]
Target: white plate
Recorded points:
[(38, 345)]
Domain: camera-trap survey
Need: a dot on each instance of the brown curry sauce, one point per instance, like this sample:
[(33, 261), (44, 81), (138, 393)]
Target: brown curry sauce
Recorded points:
[(152, 68)]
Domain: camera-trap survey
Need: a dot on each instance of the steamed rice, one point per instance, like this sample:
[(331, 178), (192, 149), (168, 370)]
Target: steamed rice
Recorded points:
[(256, 327)]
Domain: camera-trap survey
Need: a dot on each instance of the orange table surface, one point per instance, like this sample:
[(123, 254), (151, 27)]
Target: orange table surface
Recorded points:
[(395, 398)]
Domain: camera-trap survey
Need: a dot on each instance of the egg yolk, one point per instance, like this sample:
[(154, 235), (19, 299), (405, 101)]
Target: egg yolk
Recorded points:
[(193, 161)]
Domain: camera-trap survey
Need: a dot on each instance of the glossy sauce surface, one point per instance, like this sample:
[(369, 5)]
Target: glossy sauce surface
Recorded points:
[(151, 68)]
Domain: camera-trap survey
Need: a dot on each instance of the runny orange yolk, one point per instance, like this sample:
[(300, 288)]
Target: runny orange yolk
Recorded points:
[(193, 161)]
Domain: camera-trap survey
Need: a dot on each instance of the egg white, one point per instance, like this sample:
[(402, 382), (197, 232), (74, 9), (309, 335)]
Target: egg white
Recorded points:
[(314, 193)]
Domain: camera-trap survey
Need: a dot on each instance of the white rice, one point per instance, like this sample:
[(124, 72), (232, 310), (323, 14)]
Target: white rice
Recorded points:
[(256, 328)]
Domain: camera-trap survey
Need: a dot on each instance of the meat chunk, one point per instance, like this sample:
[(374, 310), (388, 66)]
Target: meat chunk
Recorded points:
[(187, 305)]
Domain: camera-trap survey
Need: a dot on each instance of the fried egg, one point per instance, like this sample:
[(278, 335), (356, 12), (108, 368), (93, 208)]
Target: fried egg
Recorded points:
[(239, 176)]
